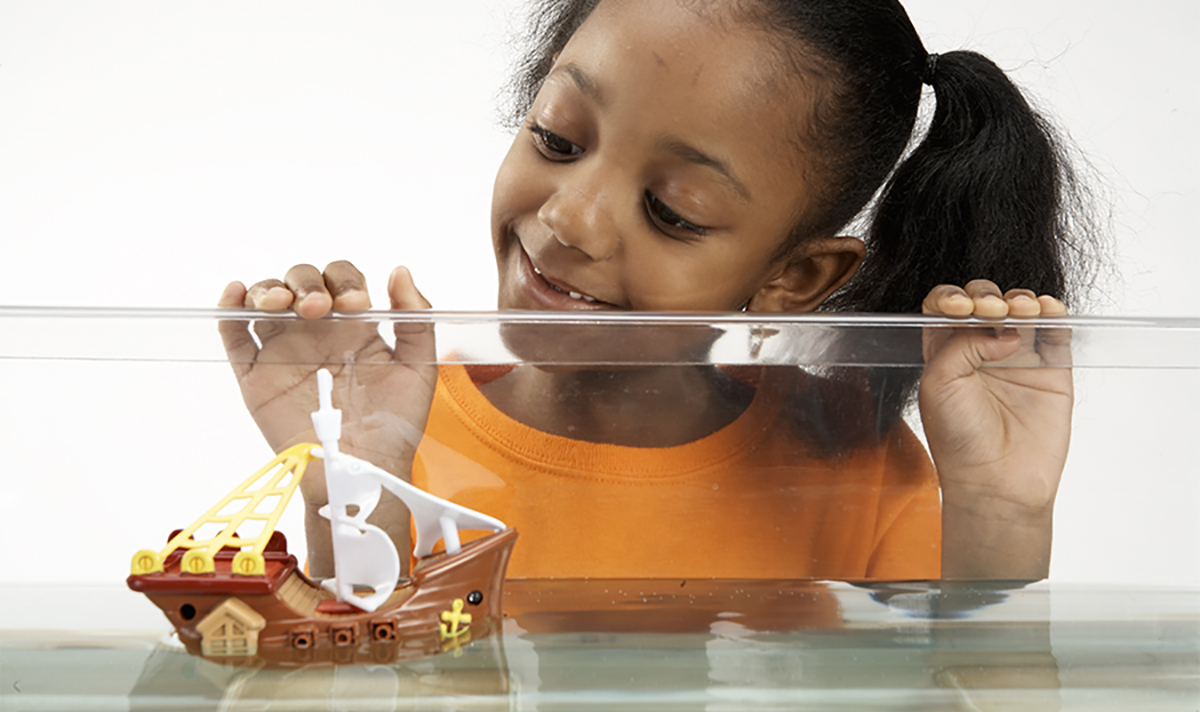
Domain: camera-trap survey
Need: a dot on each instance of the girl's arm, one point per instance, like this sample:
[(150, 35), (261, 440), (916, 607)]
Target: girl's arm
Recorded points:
[(998, 435)]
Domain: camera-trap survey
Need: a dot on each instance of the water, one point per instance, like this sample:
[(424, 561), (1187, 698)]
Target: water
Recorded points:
[(673, 645), (120, 426)]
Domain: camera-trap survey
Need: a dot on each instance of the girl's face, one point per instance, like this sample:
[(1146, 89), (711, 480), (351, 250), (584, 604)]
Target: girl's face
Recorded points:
[(658, 169)]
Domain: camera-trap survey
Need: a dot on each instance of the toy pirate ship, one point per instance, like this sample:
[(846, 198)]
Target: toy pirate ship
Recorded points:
[(243, 600)]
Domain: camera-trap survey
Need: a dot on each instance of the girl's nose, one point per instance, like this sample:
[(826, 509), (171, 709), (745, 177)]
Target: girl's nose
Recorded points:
[(580, 217)]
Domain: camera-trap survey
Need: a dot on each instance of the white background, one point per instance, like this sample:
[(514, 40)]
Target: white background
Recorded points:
[(152, 151)]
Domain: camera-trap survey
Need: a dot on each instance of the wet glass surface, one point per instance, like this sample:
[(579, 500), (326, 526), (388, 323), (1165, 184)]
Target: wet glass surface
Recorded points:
[(133, 411), (120, 426), (676, 645)]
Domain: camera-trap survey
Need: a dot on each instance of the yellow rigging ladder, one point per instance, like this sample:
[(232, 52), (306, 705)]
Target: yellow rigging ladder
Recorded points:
[(285, 473)]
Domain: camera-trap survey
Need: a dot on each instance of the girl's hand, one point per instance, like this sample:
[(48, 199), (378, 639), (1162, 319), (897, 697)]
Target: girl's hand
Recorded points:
[(998, 435), (384, 392)]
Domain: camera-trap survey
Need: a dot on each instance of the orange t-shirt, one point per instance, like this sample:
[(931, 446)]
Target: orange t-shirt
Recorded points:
[(749, 501)]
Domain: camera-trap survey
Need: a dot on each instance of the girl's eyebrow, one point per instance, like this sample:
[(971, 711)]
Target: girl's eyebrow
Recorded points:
[(583, 80), (681, 149), (691, 154)]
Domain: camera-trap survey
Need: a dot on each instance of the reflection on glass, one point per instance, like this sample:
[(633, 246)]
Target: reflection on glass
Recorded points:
[(690, 466), (135, 420), (654, 445)]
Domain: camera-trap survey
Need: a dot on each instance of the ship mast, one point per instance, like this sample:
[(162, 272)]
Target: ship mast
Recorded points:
[(364, 555)]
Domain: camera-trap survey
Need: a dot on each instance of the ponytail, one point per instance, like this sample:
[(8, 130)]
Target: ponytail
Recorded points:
[(988, 194), (982, 196)]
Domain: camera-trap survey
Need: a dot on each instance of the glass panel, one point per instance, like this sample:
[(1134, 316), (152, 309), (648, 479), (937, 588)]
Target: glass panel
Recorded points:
[(131, 413), (728, 506), (487, 338), (656, 645)]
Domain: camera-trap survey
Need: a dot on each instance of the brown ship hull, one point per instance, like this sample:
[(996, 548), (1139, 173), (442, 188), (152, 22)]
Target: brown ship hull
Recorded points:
[(283, 619)]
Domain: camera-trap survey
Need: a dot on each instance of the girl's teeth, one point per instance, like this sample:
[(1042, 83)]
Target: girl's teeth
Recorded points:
[(573, 295)]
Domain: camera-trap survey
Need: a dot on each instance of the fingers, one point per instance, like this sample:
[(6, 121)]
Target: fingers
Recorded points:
[(268, 295), (234, 295), (240, 347), (403, 293), (414, 340), (312, 298), (958, 352), (311, 293), (1022, 303), (983, 298), (979, 297), (1051, 306), (948, 300), (347, 286)]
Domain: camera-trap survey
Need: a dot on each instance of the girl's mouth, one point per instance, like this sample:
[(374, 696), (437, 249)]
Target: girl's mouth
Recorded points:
[(560, 290), (549, 295)]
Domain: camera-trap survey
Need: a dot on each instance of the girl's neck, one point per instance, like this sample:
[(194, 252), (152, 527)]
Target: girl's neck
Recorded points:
[(642, 407)]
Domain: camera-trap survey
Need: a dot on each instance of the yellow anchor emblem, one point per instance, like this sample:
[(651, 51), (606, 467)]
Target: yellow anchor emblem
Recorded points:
[(459, 622)]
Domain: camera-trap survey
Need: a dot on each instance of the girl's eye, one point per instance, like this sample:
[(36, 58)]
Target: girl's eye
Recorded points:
[(556, 146), (665, 216)]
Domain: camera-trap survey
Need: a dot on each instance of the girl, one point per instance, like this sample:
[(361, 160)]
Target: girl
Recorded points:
[(708, 155)]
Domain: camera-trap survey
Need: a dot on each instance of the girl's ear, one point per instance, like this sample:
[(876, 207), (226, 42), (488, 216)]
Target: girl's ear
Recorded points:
[(815, 270)]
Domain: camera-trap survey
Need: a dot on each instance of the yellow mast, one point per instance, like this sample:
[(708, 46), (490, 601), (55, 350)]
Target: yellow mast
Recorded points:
[(285, 472)]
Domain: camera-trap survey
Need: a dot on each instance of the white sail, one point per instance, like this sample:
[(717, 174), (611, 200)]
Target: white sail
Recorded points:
[(363, 554)]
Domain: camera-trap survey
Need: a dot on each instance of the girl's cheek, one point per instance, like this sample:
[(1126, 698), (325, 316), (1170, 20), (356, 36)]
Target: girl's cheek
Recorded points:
[(506, 191), (527, 185)]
